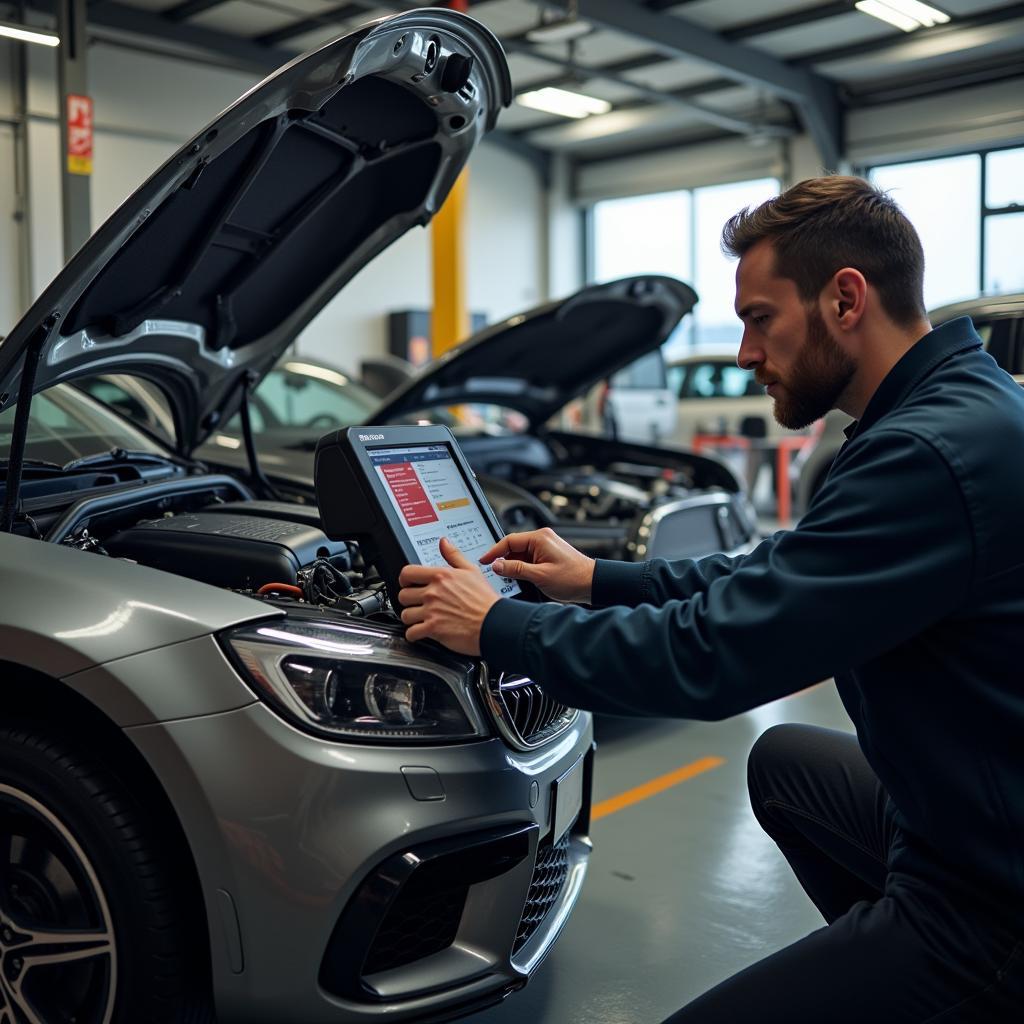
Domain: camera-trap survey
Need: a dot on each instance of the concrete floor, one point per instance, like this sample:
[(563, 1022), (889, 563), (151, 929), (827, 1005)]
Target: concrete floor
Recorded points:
[(684, 888)]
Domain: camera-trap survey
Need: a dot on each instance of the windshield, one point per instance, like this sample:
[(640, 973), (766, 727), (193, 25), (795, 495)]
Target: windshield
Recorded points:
[(306, 396), (65, 424)]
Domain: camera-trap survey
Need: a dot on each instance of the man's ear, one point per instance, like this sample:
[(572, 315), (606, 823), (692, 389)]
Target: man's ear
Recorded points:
[(848, 297)]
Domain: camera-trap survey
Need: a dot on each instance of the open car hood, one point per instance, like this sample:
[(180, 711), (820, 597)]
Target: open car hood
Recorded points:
[(209, 270), (537, 361)]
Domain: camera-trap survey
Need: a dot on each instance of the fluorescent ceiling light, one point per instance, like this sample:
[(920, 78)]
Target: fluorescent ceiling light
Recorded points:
[(904, 14), (26, 35), (563, 102)]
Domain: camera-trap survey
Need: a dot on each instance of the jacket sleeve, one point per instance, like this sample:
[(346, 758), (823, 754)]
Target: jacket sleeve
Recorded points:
[(886, 550), (658, 580)]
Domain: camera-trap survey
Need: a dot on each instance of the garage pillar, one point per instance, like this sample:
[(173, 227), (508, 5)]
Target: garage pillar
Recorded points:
[(450, 320), (76, 123)]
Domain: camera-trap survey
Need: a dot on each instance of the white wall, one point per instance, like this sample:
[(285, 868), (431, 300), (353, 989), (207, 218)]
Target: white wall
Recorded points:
[(565, 258), (6, 78), (146, 106), (687, 167), (10, 278)]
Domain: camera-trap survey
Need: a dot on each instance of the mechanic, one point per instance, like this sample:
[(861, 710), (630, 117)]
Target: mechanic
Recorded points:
[(904, 581)]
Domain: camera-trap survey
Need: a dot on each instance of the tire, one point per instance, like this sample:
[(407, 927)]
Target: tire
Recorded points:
[(95, 925)]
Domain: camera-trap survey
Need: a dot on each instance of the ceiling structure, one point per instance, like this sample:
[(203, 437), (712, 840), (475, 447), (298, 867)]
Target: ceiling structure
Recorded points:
[(675, 72)]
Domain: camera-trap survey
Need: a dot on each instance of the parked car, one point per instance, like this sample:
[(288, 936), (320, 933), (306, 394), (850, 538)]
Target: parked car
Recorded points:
[(998, 319), (715, 396), (610, 497), (228, 784), (636, 404)]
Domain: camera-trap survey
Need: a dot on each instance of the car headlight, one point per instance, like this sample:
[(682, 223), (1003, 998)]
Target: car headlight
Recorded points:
[(354, 682)]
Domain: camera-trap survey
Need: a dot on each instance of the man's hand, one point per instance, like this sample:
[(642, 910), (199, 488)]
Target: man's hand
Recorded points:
[(544, 559), (447, 605)]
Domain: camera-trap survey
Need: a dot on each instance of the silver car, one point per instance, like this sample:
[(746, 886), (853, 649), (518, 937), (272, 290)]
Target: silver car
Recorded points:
[(228, 785)]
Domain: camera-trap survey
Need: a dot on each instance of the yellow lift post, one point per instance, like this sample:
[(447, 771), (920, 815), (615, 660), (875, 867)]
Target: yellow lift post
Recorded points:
[(450, 318)]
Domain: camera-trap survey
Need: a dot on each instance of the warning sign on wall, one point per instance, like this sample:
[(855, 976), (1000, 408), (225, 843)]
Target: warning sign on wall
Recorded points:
[(79, 114)]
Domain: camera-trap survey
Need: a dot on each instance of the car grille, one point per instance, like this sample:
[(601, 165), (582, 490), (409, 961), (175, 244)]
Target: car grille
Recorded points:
[(549, 876), (424, 919), (525, 714)]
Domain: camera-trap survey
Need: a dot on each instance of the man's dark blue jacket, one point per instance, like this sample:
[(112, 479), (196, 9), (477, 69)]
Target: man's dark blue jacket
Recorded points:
[(904, 580)]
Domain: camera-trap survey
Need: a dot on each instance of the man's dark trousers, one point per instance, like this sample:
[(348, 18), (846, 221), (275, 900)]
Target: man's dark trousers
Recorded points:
[(902, 944)]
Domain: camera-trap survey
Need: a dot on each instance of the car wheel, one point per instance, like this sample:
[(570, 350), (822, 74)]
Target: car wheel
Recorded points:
[(93, 927)]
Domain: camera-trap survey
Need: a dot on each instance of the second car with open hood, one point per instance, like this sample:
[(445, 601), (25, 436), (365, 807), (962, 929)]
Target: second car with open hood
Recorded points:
[(610, 497)]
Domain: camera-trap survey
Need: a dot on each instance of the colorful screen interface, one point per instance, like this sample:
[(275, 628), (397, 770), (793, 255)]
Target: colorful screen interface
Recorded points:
[(433, 501)]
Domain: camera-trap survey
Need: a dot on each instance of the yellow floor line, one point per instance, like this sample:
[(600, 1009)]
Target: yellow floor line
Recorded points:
[(654, 787)]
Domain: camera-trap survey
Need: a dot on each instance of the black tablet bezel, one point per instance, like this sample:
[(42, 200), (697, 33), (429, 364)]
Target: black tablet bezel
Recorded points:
[(379, 528)]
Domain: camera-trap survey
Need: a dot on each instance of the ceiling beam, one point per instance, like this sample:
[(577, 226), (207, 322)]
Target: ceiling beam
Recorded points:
[(138, 21), (718, 85), (816, 99), (707, 114), (188, 9), (332, 15), (892, 44), (795, 19)]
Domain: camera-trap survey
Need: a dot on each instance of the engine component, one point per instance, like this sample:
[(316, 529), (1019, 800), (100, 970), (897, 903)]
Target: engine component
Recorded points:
[(239, 552), (291, 512), (583, 495)]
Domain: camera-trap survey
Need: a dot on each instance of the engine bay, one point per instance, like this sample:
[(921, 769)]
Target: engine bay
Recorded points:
[(610, 499), (269, 550), (614, 501)]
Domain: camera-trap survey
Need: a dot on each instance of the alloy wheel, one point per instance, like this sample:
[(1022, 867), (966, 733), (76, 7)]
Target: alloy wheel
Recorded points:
[(58, 959)]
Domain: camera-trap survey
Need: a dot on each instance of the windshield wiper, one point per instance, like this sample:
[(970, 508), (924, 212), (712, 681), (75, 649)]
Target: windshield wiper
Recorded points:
[(115, 457), (32, 464)]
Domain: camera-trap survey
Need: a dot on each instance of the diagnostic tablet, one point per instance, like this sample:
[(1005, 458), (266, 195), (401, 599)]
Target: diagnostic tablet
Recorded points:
[(398, 491)]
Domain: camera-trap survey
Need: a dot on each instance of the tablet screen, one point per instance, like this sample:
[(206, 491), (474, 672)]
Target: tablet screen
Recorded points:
[(433, 500)]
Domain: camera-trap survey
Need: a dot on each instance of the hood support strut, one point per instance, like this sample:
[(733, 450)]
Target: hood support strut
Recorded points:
[(12, 495), (263, 485)]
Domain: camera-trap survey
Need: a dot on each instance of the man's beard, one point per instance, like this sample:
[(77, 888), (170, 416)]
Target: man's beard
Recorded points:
[(820, 374)]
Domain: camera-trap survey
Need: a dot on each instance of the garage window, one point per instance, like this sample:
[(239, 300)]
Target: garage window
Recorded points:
[(969, 212), (678, 233)]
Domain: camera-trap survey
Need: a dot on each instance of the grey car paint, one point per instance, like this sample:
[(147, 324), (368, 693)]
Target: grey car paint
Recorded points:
[(183, 680), (65, 610), (303, 863), (282, 825)]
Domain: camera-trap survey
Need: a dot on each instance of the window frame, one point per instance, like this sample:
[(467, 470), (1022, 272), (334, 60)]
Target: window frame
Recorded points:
[(985, 210)]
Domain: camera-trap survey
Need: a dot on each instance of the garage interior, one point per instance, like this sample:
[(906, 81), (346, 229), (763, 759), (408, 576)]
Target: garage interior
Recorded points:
[(696, 109)]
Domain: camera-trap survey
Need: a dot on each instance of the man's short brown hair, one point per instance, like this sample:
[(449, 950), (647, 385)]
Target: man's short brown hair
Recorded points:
[(821, 225)]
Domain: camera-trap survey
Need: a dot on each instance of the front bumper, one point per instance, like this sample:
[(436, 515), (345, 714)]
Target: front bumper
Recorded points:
[(306, 851)]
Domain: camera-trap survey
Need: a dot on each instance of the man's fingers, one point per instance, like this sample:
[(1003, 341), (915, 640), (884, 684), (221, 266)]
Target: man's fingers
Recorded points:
[(419, 575), (514, 569), (514, 543), (411, 597), (453, 556), (417, 632), (499, 549), (410, 616)]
